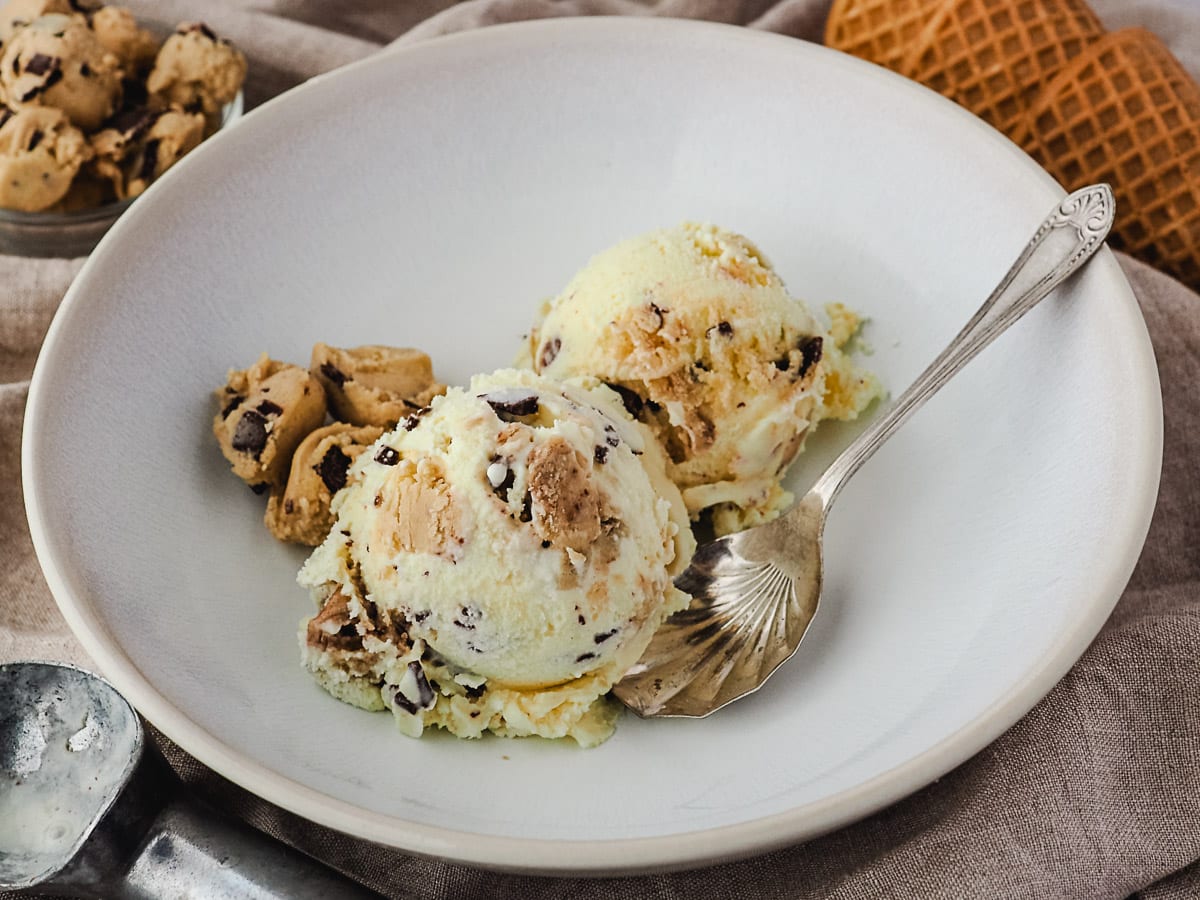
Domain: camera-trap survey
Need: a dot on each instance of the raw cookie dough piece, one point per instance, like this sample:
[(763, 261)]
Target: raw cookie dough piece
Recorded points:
[(320, 465), (16, 14), (57, 61), (266, 411), (141, 144), (196, 70), (375, 385), (118, 31), (40, 152)]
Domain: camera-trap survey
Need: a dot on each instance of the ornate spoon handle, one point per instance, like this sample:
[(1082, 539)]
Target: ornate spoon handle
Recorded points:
[(1066, 239)]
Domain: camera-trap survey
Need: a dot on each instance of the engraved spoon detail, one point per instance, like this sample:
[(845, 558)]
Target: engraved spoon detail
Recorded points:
[(754, 593)]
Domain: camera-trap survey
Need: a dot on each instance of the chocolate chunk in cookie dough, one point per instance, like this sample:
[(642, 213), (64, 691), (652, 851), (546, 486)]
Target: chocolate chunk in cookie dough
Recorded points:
[(265, 411), (320, 466)]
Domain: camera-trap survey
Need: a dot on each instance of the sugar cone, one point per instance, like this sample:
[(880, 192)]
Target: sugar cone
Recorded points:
[(881, 31), (1125, 111), (992, 55)]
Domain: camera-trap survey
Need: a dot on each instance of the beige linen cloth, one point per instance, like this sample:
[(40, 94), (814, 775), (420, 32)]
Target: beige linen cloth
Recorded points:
[(1094, 794)]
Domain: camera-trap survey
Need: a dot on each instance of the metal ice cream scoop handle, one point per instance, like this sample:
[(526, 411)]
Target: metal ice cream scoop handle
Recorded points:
[(89, 809), (754, 593)]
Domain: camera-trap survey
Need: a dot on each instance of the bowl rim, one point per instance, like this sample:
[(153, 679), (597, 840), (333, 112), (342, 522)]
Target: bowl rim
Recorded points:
[(624, 856)]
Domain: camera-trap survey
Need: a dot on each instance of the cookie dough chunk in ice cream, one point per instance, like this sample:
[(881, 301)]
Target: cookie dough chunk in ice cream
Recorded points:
[(498, 562), (40, 152), (696, 331), (57, 61)]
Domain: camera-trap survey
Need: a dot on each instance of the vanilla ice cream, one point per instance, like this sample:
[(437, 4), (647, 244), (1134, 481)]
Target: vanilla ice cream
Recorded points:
[(498, 562), (695, 330)]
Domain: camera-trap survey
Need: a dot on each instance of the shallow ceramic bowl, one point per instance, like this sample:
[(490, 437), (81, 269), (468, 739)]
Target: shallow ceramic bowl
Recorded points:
[(432, 197)]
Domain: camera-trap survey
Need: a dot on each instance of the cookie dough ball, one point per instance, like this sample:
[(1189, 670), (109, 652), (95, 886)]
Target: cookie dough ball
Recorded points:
[(57, 61), (16, 14), (118, 31), (196, 70), (139, 145), (40, 152), (300, 512), (375, 385), (266, 411)]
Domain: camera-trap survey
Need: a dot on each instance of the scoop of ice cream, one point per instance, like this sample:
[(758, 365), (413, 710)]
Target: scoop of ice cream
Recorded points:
[(265, 411), (374, 384), (320, 468), (57, 61), (196, 70), (16, 14), (524, 534), (40, 152), (139, 145), (696, 331), (118, 31)]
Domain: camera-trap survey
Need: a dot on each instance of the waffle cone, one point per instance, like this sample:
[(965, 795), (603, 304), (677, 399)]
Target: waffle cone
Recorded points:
[(1125, 111), (992, 55), (881, 31)]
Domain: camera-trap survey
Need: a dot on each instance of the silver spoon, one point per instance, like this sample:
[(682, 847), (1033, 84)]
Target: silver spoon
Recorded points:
[(754, 593)]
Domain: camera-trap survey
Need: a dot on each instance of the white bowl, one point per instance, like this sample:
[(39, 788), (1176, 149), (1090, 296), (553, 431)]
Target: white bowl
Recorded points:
[(431, 197)]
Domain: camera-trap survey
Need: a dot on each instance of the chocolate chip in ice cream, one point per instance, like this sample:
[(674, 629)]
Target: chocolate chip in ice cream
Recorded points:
[(413, 683), (549, 352), (604, 636), (250, 436), (512, 404), (724, 329), (600, 454), (810, 353), (630, 399), (387, 456)]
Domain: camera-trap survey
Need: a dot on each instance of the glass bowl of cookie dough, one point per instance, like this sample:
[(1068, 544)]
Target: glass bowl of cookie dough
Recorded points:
[(94, 107)]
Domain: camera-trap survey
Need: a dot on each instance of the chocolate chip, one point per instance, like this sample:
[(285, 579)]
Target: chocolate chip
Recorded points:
[(41, 64), (474, 693), (85, 70), (250, 435), (424, 698), (512, 404), (722, 328), (5, 115), (600, 454), (133, 123), (198, 28), (289, 507), (387, 456), (378, 501), (421, 616), (467, 617), (632, 402), (584, 657), (652, 406), (657, 312), (260, 488), (604, 636), (333, 468), (546, 545), (52, 79), (34, 140), (549, 352), (501, 490), (527, 509), (333, 373), (414, 420), (149, 160), (134, 92), (783, 363), (267, 408), (610, 436), (810, 353)]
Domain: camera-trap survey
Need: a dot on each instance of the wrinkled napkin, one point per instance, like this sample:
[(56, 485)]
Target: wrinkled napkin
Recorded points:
[(1094, 794)]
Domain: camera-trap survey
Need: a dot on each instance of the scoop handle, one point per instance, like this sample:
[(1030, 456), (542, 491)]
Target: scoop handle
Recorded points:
[(192, 852), (1066, 239)]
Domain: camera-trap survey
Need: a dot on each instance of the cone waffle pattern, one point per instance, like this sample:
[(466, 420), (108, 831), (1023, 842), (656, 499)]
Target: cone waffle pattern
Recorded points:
[(882, 31), (991, 56), (1127, 112)]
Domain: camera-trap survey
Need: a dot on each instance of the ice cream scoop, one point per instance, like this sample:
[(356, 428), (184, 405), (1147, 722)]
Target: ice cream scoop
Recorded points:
[(697, 332), (89, 809), (498, 561)]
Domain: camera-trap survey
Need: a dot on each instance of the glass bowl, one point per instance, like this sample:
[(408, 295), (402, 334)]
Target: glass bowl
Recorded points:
[(71, 234)]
